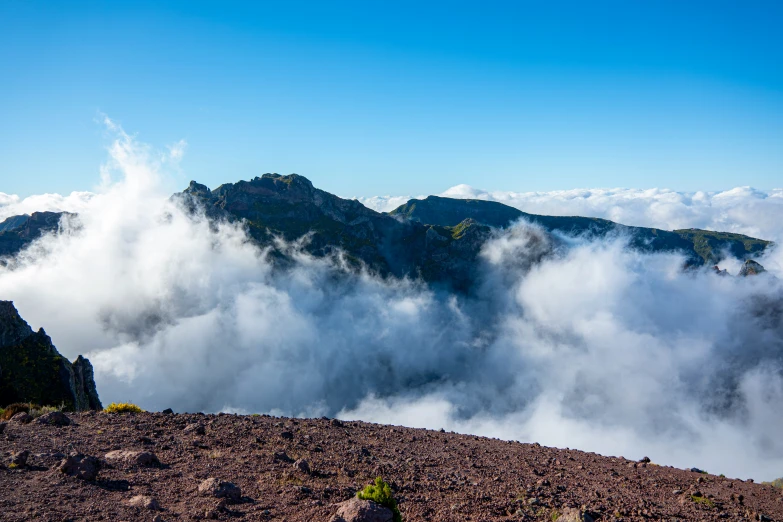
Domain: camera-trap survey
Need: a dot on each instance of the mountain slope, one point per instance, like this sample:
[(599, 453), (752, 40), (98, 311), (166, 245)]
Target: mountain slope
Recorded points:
[(436, 239), (290, 207), (17, 232), (700, 246), (301, 469)]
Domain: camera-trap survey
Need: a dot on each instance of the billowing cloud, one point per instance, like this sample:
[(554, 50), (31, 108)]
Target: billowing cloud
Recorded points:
[(742, 210), (13, 205), (590, 345)]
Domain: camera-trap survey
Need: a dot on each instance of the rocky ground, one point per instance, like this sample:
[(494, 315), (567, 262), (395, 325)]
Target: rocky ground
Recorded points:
[(153, 466)]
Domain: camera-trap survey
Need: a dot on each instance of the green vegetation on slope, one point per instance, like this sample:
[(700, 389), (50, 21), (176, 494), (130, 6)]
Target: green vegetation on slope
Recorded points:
[(701, 246), (381, 493), (710, 245)]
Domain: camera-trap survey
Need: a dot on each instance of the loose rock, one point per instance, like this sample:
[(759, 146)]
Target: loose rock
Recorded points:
[(196, 428), (21, 418), (302, 465), (133, 458), (282, 456), (143, 501), (19, 459), (357, 510), (81, 466), (54, 418), (213, 487), (574, 515)]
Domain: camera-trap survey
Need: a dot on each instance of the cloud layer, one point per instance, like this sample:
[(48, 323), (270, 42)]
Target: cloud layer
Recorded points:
[(743, 209), (13, 205), (593, 346)]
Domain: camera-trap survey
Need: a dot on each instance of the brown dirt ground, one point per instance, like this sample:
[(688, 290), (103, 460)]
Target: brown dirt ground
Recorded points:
[(434, 475)]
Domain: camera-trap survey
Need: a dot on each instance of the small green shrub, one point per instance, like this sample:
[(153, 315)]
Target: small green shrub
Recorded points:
[(703, 501), (40, 410), (381, 493), (777, 483), (122, 407)]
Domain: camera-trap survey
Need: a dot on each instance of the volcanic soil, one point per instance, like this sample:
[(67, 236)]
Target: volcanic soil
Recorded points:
[(300, 469)]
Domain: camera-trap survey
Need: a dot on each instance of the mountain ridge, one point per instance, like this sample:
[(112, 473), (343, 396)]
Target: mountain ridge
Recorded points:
[(435, 239), (702, 245)]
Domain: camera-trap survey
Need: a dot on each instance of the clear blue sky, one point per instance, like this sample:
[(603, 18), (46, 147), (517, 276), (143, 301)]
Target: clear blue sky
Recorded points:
[(370, 98)]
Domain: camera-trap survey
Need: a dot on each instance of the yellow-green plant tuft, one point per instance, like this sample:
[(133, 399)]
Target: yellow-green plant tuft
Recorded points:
[(704, 501), (381, 493), (37, 411), (17, 407), (122, 407)]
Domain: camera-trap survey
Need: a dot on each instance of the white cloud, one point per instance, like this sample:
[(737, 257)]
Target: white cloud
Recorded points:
[(13, 205), (384, 203), (591, 346), (743, 210)]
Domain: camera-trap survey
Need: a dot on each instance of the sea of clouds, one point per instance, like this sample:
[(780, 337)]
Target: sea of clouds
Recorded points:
[(743, 210), (593, 346)]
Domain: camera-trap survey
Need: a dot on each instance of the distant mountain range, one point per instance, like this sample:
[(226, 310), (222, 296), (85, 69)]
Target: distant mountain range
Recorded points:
[(436, 239)]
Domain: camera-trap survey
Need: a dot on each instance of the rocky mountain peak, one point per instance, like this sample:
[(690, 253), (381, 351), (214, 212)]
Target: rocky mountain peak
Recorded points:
[(32, 370), (751, 268), (13, 329), (196, 188), (288, 181)]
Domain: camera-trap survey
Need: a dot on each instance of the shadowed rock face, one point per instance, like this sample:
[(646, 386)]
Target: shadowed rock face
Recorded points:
[(290, 207), (751, 268), (18, 231), (32, 370)]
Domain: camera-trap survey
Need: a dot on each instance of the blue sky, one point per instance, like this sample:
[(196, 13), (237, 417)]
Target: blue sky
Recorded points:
[(370, 98)]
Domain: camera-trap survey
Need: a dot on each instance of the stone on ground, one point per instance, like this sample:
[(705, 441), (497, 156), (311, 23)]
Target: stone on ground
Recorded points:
[(21, 418), (143, 501), (574, 515), (81, 466), (54, 418), (357, 510), (133, 458), (213, 487)]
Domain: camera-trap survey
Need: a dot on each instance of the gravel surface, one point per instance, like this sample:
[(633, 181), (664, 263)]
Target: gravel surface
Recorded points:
[(270, 468)]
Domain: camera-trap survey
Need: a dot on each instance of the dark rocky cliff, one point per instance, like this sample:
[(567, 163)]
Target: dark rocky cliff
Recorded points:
[(32, 370), (290, 207), (17, 232)]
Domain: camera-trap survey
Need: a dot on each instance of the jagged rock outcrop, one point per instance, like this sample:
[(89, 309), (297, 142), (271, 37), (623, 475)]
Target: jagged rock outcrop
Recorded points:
[(751, 268), (17, 232), (32, 370)]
